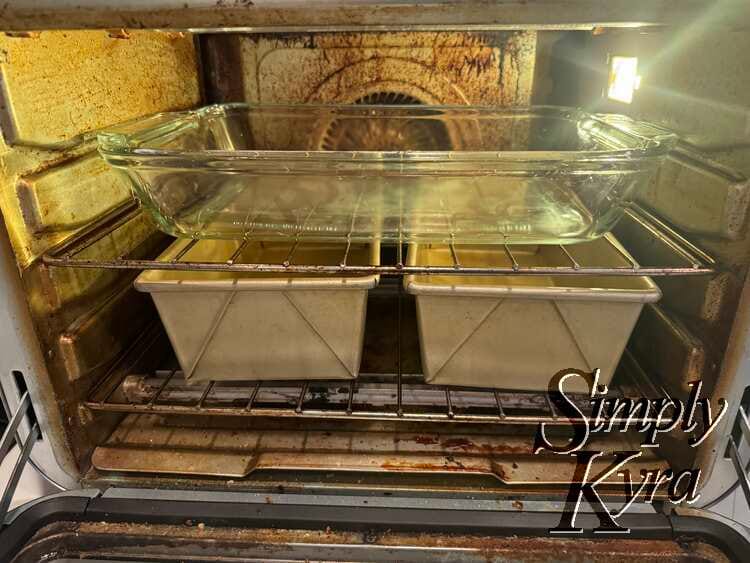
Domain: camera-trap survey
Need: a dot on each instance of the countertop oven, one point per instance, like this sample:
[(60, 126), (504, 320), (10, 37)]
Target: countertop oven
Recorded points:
[(384, 467)]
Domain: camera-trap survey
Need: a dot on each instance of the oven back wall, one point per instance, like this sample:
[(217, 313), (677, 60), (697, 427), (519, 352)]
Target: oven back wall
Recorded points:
[(491, 68)]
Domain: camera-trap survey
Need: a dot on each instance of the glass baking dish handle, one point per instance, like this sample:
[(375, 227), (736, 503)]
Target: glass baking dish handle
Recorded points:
[(10, 437), (638, 128)]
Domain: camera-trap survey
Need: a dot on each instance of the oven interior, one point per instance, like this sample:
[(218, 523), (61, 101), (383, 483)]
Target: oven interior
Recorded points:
[(113, 405)]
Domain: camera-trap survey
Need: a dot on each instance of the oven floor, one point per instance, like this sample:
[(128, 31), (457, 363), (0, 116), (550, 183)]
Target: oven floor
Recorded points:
[(431, 455)]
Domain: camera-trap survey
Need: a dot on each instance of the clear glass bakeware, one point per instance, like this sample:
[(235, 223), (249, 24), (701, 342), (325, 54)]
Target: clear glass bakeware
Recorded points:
[(411, 173)]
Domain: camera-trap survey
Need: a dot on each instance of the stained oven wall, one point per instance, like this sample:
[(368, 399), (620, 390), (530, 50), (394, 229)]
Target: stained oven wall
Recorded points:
[(694, 80), (57, 88), (428, 67)]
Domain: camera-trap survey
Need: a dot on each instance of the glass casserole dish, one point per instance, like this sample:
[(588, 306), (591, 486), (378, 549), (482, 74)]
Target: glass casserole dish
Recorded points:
[(538, 175)]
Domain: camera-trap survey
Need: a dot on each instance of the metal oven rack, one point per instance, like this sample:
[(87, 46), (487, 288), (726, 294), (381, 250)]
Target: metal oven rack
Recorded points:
[(69, 254), (394, 396), (384, 397), (370, 397)]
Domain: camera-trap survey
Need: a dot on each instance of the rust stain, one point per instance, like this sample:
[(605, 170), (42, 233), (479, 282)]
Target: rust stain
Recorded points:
[(48, 164), (517, 504), (476, 61), (460, 444), (434, 67), (501, 472), (467, 445), (22, 34), (425, 440), (451, 466), (492, 547), (118, 34)]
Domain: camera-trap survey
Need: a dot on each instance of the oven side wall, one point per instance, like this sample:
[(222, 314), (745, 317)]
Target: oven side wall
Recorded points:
[(694, 80), (58, 88)]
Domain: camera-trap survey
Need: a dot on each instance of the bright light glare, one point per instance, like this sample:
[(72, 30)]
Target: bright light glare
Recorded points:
[(623, 79)]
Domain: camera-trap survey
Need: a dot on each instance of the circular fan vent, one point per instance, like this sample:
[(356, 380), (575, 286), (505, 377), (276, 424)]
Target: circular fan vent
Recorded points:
[(386, 134)]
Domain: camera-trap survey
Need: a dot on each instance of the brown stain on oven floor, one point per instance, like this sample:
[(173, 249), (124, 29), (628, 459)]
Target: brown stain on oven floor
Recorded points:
[(466, 445), (449, 466)]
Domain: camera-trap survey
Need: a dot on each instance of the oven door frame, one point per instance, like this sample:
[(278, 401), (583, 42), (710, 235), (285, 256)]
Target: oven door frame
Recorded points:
[(375, 520)]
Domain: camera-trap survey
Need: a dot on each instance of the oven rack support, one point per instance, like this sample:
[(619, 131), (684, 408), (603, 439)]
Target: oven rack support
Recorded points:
[(11, 436), (69, 254), (740, 464)]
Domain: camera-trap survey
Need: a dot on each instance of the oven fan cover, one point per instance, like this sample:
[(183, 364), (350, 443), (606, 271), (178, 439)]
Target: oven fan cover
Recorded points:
[(386, 134)]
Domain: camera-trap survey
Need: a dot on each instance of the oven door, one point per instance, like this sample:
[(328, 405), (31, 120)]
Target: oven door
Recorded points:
[(149, 525)]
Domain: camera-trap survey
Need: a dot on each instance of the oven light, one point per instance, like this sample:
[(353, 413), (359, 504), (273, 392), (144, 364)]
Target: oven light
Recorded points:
[(623, 79)]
